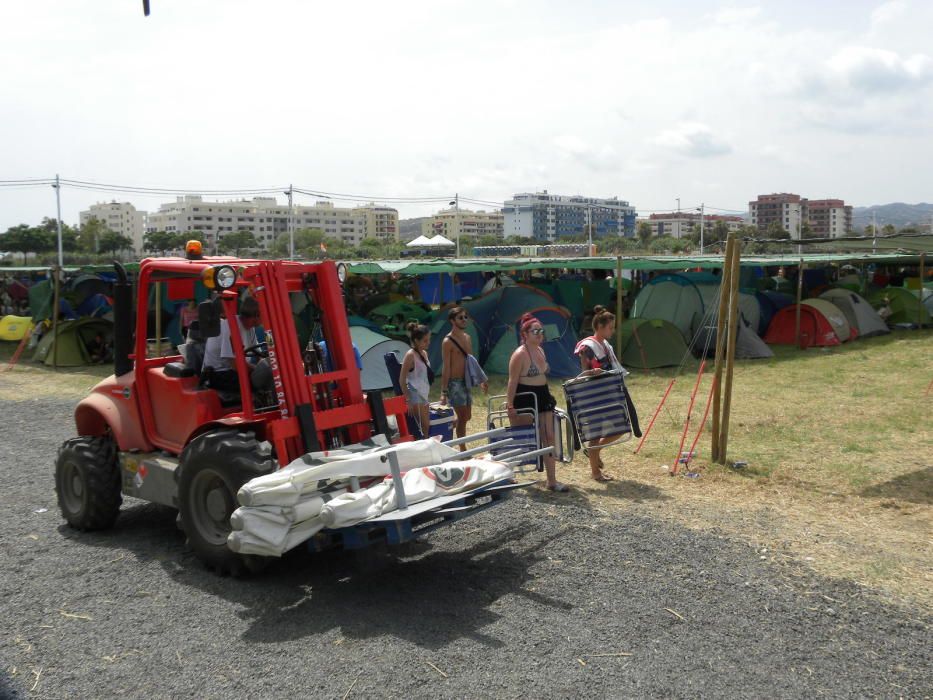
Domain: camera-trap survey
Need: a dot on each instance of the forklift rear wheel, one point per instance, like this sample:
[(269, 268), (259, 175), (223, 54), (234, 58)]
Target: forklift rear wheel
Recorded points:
[(212, 469), (87, 482)]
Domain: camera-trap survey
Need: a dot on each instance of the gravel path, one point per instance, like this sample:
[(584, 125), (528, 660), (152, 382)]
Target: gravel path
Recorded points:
[(540, 597)]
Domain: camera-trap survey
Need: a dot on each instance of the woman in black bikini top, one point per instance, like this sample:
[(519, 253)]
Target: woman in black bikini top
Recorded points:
[(528, 389)]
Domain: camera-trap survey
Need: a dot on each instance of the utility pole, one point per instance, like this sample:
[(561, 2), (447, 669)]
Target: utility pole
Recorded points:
[(58, 220), (456, 205), (291, 231), (874, 233), (702, 209), (589, 228)]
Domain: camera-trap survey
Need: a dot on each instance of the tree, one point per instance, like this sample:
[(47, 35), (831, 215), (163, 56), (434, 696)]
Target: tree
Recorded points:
[(775, 230), (869, 230), (237, 241), (69, 234), (717, 233), (26, 239), (305, 239), (644, 233), (114, 242), (889, 229), (161, 241), (91, 233)]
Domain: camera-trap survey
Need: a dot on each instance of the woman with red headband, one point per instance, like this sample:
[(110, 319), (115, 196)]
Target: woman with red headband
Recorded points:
[(528, 370)]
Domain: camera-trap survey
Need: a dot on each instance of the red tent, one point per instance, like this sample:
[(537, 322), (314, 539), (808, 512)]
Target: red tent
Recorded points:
[(815, 328)]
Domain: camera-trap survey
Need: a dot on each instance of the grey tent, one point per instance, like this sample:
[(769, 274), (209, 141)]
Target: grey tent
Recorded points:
[(372, 346), (748, 344), (858, 312)]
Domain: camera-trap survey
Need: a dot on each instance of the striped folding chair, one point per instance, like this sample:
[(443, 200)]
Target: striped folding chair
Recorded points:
[(598, 408)]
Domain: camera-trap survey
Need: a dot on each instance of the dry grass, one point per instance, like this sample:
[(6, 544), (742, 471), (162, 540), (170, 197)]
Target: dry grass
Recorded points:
[(839, 445)]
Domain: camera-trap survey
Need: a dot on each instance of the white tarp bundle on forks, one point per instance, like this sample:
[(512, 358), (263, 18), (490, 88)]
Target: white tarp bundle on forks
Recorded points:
[(281, 510)]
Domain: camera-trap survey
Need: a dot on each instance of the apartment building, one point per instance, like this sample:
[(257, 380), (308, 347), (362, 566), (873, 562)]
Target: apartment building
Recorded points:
[(544, 216), (266, 219), (829, 218), (119, 217), (463, 223), (677, 224)]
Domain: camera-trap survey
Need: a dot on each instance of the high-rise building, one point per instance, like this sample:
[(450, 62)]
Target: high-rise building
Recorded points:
[(119, 217), (826, 218), (463, 223), (549, 217), (266, 219)]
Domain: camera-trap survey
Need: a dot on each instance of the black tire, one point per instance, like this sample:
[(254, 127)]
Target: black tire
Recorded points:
[(212, 469), (87, 481)]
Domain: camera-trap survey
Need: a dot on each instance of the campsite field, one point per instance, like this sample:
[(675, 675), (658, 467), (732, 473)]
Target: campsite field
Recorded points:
[(839, 446)]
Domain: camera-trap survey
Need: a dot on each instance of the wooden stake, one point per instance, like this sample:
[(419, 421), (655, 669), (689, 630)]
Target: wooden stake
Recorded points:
[(799, 298), (920, 306), (619, 290), (724, 286), (732, 330)]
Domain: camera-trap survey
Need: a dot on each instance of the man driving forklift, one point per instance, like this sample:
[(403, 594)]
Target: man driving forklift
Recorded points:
[(219, 368)]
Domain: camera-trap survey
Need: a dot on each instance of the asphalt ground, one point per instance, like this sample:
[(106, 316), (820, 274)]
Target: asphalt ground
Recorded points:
[(543, 596)]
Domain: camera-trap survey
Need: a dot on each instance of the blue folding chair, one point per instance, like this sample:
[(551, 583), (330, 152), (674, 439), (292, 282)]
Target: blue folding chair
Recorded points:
[(598, 408)]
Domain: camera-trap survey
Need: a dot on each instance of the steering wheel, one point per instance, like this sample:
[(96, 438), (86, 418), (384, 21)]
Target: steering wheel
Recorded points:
[(256, 351)]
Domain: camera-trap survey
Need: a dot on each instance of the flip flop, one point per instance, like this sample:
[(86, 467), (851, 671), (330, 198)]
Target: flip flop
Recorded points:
[(604, 477), (558, 487)]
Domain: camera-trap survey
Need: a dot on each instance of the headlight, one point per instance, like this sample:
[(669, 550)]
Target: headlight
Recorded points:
[(222, 277)]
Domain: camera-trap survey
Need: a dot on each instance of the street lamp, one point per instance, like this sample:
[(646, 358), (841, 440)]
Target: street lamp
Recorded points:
[(456, 205)]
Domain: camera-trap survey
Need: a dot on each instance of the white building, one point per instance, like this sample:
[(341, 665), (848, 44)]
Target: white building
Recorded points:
[(544, 216), (119, 217), (827, 218), (677, 224), (266, 219), (463, 223)]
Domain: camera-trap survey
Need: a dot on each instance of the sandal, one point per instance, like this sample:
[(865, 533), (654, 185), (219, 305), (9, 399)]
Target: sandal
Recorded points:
[(558, 487), (604, 477)]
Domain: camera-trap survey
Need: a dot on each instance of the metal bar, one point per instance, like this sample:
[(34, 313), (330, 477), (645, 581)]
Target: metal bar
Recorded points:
[(534, 453), (477, 436), (483, 448), (506, 456), (400, 497)]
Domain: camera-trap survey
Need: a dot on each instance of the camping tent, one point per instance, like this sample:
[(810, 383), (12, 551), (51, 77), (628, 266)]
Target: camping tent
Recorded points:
[(904, 305), (73, 339), (748, 344), (815, 328), (835, 317), (651, 343), (398, 314), (372, 347), (494, 329), (769, 303), (858, 312), (685, 298)]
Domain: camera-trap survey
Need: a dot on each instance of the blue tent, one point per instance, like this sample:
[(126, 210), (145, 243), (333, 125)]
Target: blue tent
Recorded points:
[(770, 303)]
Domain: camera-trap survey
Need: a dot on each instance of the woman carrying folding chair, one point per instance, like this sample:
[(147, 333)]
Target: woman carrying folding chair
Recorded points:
[(528, 388), (596, 356)]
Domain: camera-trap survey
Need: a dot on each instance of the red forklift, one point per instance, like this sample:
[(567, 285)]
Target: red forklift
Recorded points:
[(157, 431)]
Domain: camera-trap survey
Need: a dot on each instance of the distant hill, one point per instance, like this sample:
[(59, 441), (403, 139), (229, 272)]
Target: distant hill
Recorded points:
[(897, 213), (410, 228)]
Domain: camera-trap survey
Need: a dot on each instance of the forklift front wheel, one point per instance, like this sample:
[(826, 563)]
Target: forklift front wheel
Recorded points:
[(87, 482), (212, 469)]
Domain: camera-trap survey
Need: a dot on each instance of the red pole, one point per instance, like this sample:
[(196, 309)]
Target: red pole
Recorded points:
[(657, 411), (709, 401), (683, 437)]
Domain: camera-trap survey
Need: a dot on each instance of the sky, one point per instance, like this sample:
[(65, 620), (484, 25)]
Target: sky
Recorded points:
[(649, 102)]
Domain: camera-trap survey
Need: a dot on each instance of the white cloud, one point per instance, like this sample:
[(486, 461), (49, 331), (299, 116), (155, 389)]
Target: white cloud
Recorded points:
[(736, 15), (887, 12), (872, 70), (694, 140)]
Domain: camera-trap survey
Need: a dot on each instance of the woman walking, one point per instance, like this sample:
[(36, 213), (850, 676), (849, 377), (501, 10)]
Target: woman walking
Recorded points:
[(416, 375)]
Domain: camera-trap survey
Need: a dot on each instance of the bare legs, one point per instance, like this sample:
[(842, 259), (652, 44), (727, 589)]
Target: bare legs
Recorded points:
[(463, 413)]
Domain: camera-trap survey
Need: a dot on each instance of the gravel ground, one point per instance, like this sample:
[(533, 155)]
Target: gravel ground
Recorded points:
[(540, 597)]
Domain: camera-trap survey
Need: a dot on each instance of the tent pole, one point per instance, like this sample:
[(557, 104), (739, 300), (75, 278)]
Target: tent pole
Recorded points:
[(799, 298), (56, 271), (619, 290), (724, 285), (920, 306), (732, 330)]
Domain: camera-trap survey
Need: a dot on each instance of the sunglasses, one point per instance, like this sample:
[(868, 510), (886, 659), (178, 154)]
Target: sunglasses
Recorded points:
[(463, 317), (537, 331)]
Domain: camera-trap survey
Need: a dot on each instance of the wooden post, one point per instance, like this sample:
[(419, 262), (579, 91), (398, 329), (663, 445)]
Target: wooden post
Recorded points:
[(56, 272), (797, 310), (732, 329), (724, 287), (920, 306), (619, 290)]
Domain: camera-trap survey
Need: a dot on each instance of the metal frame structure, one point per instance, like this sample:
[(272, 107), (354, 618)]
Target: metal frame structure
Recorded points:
[(598, 408)]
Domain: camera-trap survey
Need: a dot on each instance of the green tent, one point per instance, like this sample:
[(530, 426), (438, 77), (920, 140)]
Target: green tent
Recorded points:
[(905, 305), (650, 343), (73, 339), (398, 314)]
